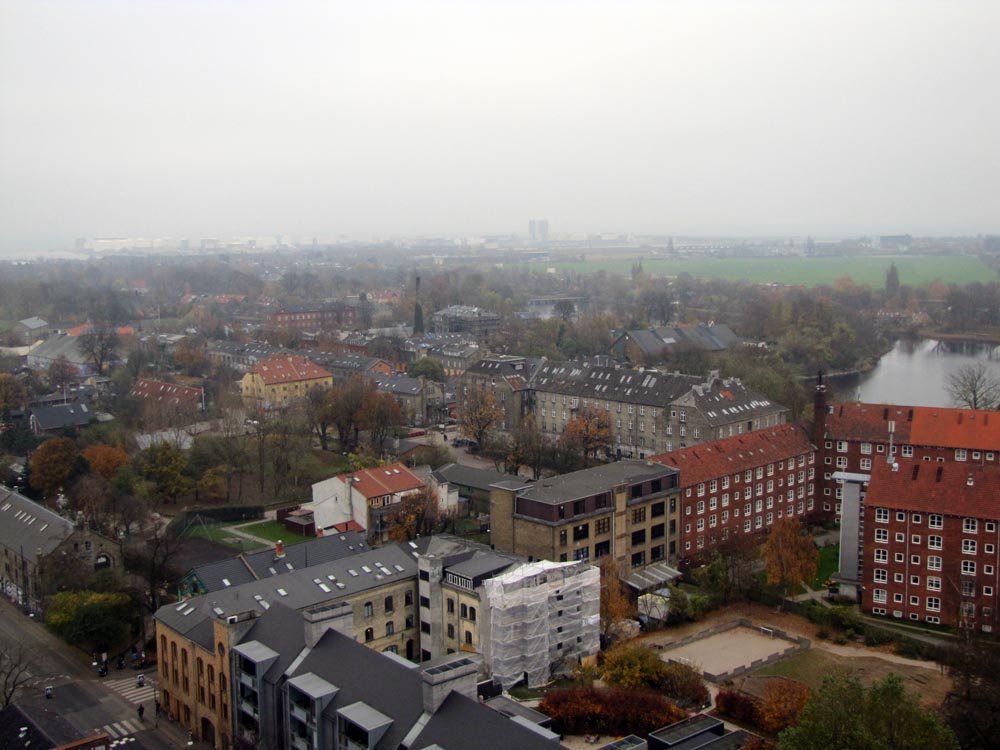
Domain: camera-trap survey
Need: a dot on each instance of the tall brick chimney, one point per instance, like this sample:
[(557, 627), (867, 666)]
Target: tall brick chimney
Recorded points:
[(819, 412)]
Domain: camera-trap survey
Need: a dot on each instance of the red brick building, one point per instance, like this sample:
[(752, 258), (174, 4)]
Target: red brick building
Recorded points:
[(337, 315), (742, 485), (852, 437), (930, 540)]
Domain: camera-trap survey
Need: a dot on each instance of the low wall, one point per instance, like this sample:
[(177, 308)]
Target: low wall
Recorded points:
[(796, 644)]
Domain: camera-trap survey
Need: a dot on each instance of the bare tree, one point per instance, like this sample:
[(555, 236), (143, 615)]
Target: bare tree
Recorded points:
[(14, 671), (975, 386), (99, 344)]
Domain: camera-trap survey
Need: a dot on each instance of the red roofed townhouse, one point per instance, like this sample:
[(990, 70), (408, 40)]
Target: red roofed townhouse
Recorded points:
[(365, 497), (852, 437), (741, 485), (930, 542), (168, 393), (282, 379)]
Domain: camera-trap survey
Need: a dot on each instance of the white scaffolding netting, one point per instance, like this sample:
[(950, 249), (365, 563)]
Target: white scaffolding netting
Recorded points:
[(541, 616)]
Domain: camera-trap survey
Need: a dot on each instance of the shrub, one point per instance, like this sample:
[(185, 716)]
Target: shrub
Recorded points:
[(823, 633), (615, 711), (875, 637), (683, 684), (783, 700), (738, 706), (634, 666)]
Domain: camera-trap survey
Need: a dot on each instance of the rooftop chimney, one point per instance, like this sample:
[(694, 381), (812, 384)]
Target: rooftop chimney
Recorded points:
[(279, 550), (439, 681), (318, 620)]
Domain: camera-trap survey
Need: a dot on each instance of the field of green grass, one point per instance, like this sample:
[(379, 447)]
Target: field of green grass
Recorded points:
[(864, 271), (220, 533), (274, 531)]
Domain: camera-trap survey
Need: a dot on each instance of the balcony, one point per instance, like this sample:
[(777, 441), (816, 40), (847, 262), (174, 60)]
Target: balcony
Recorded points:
[(249, 680), (300, 712), (301, 743), (249, 708)]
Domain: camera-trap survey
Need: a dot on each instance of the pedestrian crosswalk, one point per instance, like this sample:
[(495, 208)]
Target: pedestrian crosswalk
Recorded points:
[(120, 729), (130, 691)]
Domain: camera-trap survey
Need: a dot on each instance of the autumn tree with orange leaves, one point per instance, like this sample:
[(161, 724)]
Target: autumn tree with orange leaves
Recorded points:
[(415, 515), (616, 605), (588, 433), (105, 460), (783, 700), (790, 555), (52, 465), (478, 413)]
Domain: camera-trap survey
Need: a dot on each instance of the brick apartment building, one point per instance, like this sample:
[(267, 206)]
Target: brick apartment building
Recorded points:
[(852, 437), (930, 542), (741, 485)]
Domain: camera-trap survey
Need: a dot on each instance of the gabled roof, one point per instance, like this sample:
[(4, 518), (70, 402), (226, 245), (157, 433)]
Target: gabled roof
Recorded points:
[(951, 488), (171, 393), (384, 480), (28, 527), (288, 369), (461, 722), (401, 385), (914, 425), (62, 415), (737, 453)]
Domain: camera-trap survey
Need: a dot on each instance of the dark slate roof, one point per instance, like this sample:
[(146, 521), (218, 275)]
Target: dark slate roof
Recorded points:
[(29, 527), (461, 723), (12, 720), (613, 383), (468, 476), (300, 589), (364, 675), (283, 629), (62, 415), (402, 385), (587, 482), (306, 554)]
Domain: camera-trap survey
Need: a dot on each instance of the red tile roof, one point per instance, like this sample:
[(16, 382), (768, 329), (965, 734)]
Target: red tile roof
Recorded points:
[(87, 328), (288, 369), (156, 390), (707, 461), (950, 488), (384, 480), (915, 425)]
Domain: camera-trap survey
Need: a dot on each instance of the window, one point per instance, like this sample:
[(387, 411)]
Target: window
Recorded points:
[(451, 606), (882, 535), (451, 631), (657, 509), (602, 525), (389, 605), (369, 634), (841, 446), (907, 451), (933, 583), (968, 546), (408, 598), (468, 637), (562, 537), (639, 559), (881, 515), (914, 580), (581, 532), (968, 567), (960, 454), (987, 591), (638, 515), (933, 562), (866, 448), (390, 628), (881, 575), (866, 464), (879, 596), (639, 537), (914, 539), (914, 559), (369, 609), (900, 536), (969, 525), (464, 611), (882, 555), (915, 601), (934, 542), (933, 604)]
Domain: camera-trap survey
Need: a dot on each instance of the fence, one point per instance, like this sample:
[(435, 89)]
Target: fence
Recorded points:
[(228, 514)]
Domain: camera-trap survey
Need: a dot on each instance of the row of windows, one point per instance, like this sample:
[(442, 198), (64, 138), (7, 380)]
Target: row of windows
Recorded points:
[(961, 454), (934, 521), (749, 525)]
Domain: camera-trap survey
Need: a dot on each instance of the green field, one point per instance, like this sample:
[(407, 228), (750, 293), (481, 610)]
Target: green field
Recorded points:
[(274, 531), (864, 271)]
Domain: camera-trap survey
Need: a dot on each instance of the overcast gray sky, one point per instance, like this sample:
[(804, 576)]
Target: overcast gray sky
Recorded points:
[(233, 117)]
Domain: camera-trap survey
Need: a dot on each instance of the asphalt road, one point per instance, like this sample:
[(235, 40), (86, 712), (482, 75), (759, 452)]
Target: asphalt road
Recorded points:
[(82, 703)]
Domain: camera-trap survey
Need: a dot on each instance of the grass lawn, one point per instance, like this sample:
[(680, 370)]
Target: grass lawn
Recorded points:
[(221, 534), (829, 562), (274, 531), (864, 271)]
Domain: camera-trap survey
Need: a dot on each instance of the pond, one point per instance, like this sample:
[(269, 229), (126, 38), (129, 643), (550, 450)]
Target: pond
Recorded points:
[(915, 372)]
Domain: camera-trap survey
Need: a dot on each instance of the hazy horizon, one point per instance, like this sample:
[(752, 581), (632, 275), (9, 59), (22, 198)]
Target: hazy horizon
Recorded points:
[(195, 119)]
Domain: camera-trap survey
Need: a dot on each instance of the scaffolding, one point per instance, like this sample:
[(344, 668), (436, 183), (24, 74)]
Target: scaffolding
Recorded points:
[(540, 617)]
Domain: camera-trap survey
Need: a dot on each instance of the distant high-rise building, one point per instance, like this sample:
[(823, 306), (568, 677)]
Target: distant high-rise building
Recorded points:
[(538, 229)]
